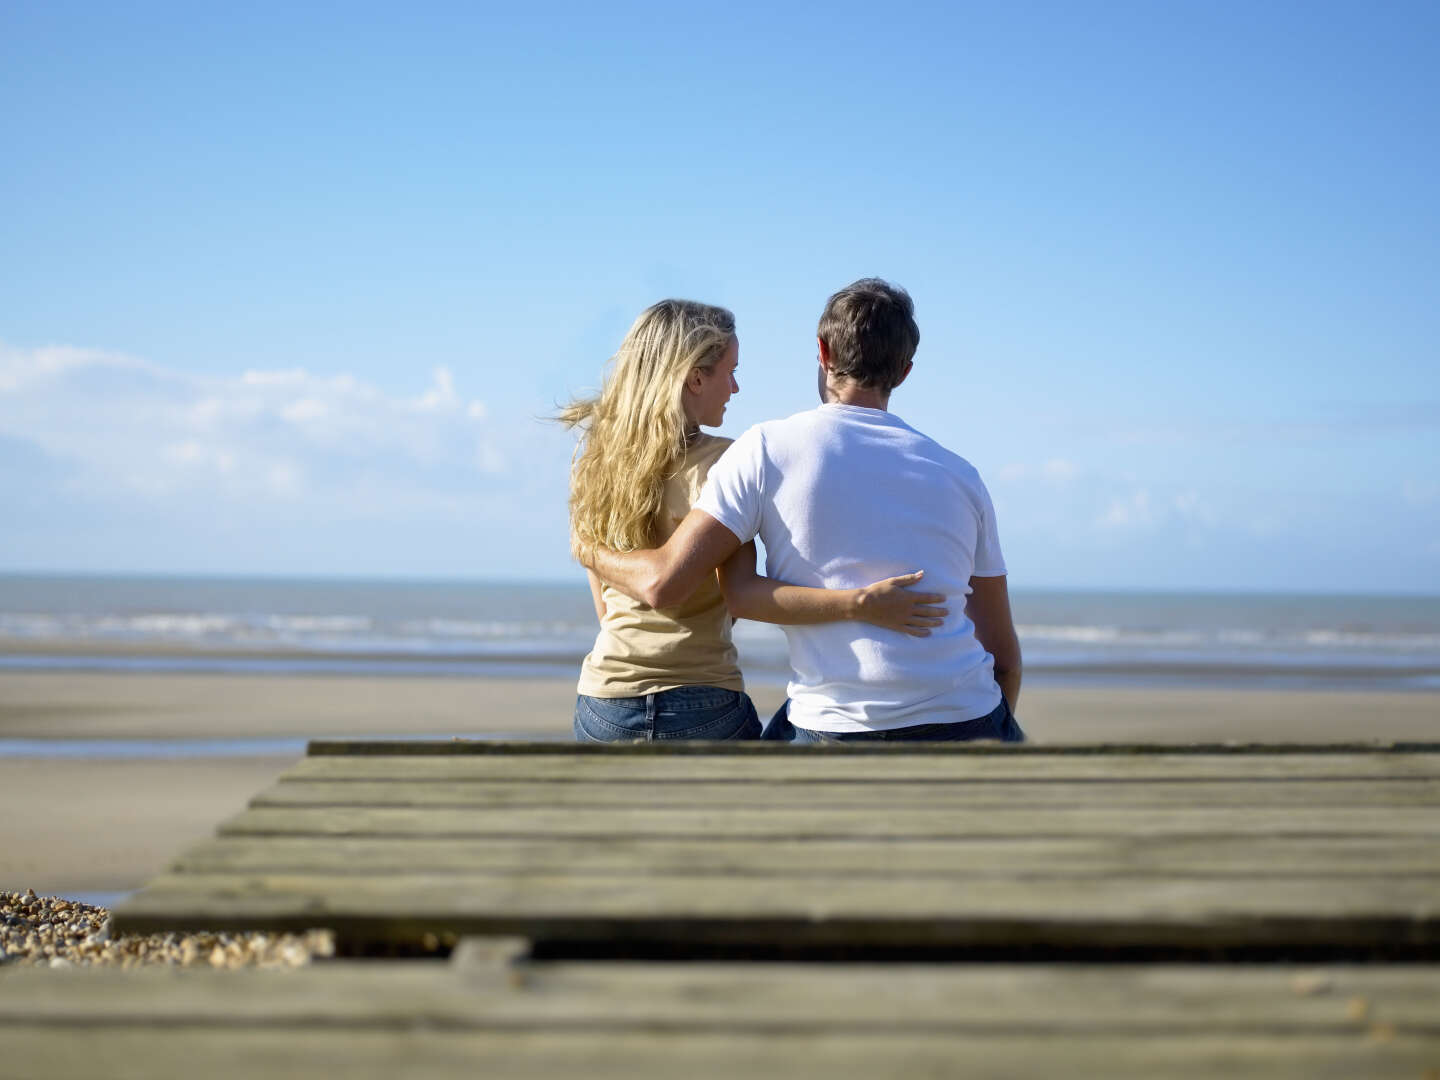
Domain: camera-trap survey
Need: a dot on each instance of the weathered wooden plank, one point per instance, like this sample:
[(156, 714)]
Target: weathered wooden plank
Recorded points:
[(1025, 910), (894, 769), (955, 794), (1150, 851), (457, 746), (878, 822), (1230, 856), (123, 1053), (760, 997)]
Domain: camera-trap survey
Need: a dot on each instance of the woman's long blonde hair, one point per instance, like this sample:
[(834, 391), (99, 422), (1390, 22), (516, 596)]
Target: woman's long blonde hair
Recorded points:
[(634, 431)]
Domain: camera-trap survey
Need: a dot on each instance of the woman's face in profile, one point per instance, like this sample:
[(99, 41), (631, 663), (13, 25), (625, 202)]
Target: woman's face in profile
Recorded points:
[(708, 392)]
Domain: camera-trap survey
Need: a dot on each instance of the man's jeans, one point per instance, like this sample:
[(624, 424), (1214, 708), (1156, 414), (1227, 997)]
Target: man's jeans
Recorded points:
[(687, 712), (999, 724)]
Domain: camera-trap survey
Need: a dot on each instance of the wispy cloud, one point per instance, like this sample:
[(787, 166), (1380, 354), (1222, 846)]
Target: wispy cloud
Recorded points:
[(1140, 510), (1057, 471), (1133, 511), (1362, 422), (1089, 504), (129, 426)]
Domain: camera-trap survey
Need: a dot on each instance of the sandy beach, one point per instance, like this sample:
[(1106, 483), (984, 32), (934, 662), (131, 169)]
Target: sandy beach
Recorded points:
[(85, 824)]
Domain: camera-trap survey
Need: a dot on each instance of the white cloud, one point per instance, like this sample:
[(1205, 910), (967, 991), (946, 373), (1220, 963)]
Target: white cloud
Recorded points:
[(1060, 496), (306, 409), (284, 479), (197, 455), (1133, 511), (1055, 472), (1059, 471), (490, 460), (131, 426), (20, 368), (1187, 503), (441, 396), (1141, 509), (289, 377), (1345, 421)]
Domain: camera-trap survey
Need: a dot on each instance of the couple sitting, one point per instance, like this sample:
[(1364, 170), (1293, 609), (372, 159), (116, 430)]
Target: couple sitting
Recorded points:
[(664, 518)]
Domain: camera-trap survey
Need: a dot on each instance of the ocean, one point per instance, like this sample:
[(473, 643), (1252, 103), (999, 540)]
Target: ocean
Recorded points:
[(270, 625)]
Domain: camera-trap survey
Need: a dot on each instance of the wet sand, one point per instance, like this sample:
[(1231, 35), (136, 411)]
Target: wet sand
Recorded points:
[(90, 824)]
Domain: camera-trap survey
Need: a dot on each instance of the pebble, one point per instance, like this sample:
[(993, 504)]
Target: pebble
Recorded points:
[(50, 931)]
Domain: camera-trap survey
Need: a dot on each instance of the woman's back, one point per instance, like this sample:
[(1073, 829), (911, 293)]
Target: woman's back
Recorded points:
[(641, 650)]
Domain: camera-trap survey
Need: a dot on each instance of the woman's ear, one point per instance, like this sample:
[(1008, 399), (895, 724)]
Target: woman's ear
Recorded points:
[(695, 381)]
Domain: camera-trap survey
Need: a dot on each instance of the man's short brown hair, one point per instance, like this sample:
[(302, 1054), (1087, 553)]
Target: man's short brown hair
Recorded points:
[(869, 331)]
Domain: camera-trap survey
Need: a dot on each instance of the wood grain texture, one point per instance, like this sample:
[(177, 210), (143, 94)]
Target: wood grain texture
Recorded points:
[(957, 850), (485, 993), (637, 1020), (873, 768), (458, 746), (1244, 857), (852, 795), (902, 824), (127, 1053), (836, 910)]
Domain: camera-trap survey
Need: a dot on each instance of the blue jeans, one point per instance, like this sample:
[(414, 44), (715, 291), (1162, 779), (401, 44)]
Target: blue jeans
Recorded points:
[(687, 712), (999, 724)]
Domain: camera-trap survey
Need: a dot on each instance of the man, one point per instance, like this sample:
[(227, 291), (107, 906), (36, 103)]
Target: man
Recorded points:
[(840, 496)]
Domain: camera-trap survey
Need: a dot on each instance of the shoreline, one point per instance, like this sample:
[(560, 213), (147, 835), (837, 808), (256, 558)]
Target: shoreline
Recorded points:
[(206, 706), (46, 655), (104, 822)]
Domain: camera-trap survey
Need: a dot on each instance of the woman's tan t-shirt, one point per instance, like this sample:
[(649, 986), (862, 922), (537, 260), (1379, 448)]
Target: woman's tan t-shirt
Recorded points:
[(641, 650)]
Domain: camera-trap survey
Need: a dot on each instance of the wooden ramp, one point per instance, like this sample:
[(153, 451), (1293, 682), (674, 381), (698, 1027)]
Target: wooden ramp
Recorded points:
[(1126, 851), (714, 911)]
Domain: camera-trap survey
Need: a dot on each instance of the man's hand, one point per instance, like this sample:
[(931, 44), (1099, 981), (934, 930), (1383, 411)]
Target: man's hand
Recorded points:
[(891, 604)]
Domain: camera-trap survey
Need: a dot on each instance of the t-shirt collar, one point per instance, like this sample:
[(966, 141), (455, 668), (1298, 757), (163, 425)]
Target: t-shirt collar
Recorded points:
[(862, 412)]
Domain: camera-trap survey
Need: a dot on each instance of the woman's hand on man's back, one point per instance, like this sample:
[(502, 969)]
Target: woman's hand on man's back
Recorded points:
[(891, 603)]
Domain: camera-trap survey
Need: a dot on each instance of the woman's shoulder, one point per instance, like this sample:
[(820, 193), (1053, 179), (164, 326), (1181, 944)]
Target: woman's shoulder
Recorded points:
[(701, 453), (703, 450)]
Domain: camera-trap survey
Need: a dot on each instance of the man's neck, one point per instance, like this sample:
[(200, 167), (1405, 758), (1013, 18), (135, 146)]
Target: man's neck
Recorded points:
[(860, 396)]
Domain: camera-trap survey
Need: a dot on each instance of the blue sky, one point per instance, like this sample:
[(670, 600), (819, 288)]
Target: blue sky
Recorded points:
[(286, 291)]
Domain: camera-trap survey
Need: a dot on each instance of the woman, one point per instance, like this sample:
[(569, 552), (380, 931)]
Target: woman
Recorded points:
[(673, 673)]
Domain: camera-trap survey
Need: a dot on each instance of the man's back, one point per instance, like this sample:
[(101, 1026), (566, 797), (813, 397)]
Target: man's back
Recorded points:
[(842, 496)]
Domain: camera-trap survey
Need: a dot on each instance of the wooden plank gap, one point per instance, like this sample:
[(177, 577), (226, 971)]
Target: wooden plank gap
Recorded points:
[(493, 748)]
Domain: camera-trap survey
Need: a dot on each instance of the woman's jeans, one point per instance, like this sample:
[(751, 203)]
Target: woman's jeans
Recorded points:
[(999, 724), (687, 712)]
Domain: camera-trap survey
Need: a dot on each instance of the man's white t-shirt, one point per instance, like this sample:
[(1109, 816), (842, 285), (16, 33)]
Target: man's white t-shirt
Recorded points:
[(842, 496)]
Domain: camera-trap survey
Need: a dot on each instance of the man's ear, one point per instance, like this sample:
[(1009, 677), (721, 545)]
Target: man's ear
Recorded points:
[(908, 365), (824, 353)]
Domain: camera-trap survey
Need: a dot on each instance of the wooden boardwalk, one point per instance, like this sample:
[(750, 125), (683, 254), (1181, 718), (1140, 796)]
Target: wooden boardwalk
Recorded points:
[(756, 847), (955, 910), (477, 1017)]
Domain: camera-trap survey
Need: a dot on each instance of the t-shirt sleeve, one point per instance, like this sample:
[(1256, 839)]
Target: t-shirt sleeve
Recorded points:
[(988, 560), (733, 493)]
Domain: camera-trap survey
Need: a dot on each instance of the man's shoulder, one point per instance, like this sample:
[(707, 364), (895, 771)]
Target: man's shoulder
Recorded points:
[(944, 456), (961, 466), (776, 432), (795, 421)]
